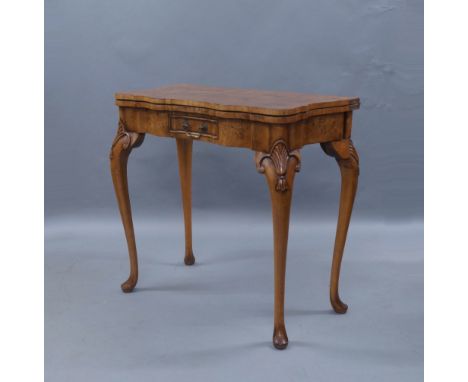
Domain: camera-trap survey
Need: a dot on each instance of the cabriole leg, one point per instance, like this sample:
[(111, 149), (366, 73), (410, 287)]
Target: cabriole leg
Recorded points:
[(122, 145), (348, 161), (279, 167)]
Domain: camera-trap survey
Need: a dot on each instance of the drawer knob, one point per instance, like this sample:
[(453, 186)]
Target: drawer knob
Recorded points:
[(185, 124), (204, 128)]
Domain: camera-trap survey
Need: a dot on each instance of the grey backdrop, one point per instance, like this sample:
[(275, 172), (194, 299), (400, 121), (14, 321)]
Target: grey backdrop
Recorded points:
[(369, 48), (213, 321)]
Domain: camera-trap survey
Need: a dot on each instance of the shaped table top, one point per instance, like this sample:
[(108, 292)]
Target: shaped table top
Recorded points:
[(269, 103)]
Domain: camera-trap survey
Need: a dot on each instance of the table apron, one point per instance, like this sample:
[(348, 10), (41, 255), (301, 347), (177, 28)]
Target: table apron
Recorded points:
[(258, 136)]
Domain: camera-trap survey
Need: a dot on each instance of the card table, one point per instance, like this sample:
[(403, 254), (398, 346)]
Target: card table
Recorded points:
[(275, 125)]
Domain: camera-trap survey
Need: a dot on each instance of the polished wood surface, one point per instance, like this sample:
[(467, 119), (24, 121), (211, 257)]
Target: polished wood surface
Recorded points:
[(348, 161), (184, 154), (277, 103), (122, 145), (276, 125), (279, 167)]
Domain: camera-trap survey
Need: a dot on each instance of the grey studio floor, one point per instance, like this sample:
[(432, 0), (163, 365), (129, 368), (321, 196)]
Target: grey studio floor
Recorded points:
[(213, 321)]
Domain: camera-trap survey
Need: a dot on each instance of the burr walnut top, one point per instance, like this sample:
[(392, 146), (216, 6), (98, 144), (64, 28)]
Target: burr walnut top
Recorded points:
[(268, 103)]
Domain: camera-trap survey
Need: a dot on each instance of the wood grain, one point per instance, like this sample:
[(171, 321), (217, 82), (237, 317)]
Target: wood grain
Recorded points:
[(258, 136), (272, 103), (273, 124)]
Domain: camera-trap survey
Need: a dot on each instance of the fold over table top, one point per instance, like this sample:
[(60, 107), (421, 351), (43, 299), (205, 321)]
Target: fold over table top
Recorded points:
[(238, 101)]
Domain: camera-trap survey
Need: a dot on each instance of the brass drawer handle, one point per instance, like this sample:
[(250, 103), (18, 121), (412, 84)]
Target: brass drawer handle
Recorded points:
[(193, 135), (200, 128)]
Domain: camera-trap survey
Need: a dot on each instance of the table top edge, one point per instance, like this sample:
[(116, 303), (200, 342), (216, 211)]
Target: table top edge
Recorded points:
[(298, 102)]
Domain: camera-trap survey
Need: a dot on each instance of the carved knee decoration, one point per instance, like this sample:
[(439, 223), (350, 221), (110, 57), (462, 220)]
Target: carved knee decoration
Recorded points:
[(125, 140), (344, 152), (279, 157)]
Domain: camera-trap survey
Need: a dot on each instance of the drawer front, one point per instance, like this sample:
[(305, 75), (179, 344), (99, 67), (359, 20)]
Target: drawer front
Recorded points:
[(193, 127)]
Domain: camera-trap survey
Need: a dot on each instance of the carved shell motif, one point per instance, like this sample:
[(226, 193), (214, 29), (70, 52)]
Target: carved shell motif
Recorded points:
[(279, 155)]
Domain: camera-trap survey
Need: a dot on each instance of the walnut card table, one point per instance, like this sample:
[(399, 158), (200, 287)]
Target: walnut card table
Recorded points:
[(276, 125)]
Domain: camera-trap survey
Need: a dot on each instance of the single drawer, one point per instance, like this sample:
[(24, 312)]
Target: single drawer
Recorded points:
[(193, 127)]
